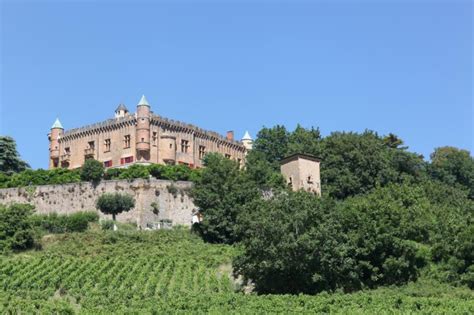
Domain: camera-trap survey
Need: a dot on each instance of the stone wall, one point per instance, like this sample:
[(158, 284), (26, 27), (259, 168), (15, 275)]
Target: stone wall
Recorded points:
[(172, 199)]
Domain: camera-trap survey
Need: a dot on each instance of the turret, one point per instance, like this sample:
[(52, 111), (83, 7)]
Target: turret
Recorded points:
[(121, 111), (143, 130), (247, 141), (168, 149), (57, 131)]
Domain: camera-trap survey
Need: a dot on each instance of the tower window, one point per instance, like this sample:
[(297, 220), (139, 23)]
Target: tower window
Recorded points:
[(67, 150), (154, 137), (184, 146), (107, 145), (227, 156), (108, 163), (126, 142), (202, 151), (171, 146), (91, 144)]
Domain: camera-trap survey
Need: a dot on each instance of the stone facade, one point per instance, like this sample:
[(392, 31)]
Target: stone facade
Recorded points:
[(171, 199), (142, 137), (302, 171)]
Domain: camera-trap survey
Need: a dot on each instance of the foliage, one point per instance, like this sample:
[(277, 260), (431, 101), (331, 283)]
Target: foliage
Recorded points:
[(296, 242), (220, 194), (64, 176), (10, 161), (115, 203), (454, 167), (92, 171), (16, 232), (172, 271), (57, 223)]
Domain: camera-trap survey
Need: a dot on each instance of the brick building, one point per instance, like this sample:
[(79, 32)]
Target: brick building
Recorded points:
[(142, 137)]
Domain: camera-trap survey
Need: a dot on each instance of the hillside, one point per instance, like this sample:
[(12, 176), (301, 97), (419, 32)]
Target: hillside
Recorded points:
[(173, 271)]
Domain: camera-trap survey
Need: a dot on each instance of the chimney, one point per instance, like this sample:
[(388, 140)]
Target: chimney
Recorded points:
[(230, 135)]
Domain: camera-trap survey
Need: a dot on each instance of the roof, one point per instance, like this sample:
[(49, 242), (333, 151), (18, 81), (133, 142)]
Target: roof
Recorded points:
[(143, 101), (297, 156), (121, 107), (246, 136), (57, 124)]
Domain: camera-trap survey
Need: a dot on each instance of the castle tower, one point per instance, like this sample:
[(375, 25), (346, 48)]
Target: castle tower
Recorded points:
[(167, 149), (302, 171), (57, 131), (247, 141), (143, 130), (121, 111)]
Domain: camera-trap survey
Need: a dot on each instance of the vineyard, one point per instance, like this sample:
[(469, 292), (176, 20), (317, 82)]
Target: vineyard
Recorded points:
[(172, 271)]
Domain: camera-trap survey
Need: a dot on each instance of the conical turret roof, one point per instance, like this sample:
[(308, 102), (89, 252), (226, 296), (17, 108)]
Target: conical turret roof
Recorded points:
[(143, 101), (246, 136), (121, 107), (57, 124)]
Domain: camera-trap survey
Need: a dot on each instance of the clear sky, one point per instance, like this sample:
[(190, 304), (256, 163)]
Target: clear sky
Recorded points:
[(404, 67)]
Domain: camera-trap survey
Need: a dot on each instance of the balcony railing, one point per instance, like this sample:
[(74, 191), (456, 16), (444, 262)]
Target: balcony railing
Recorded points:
[(89, 151)]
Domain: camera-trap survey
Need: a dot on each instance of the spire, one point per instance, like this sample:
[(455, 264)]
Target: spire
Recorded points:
[(246, 136), (57, 124), (121, 107), (143, 101)]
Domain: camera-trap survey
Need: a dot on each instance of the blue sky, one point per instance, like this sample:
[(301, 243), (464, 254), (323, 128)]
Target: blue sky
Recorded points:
[(391, 66)]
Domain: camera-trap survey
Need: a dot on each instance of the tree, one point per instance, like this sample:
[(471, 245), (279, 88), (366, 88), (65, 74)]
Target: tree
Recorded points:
[(298, 243), (454, 167), (220, 194), (92, 171), (115, 203), (16, 231), (273, 143), (10, 161)]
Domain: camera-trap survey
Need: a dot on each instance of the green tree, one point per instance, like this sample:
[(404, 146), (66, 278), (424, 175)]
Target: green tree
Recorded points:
[(16, 232), (273, 143), (220, 194), (92, 171), (115, 203), (453, 166), (10, 161), (303, 140)]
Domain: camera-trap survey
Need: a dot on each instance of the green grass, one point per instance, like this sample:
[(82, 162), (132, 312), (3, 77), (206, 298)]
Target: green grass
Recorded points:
[(174, 272)]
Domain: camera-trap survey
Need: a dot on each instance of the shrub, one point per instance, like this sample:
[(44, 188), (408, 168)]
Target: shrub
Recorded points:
[(56, 223), (157, 170), (16, 232), (114, 203), (113, 173), (135, 171), (107, 225), (92, 171)]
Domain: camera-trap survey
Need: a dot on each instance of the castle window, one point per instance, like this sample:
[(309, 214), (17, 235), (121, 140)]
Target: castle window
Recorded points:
[(227, 156), (171, 146), (290, 182), (239, 161), (91, 144), (184, 146), (154, 137), (67, 150), (126, 142), (202, 151), (107, 145), (126, 160), (310, 180), (108, 163)]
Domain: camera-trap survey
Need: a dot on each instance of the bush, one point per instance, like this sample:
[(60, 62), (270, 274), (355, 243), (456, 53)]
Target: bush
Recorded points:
[(55, 223), (113, 173), (92, 171), (107, 225), (16, 232), (135, 171)]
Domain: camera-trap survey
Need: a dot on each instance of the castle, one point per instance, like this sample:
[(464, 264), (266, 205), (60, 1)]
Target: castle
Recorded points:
[(142, 137)]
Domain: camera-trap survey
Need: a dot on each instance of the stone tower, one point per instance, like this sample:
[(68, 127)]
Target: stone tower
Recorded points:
[(57, 131), (143, 130), (301, 171), (167, 149), (121, 111), (247, 141)]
